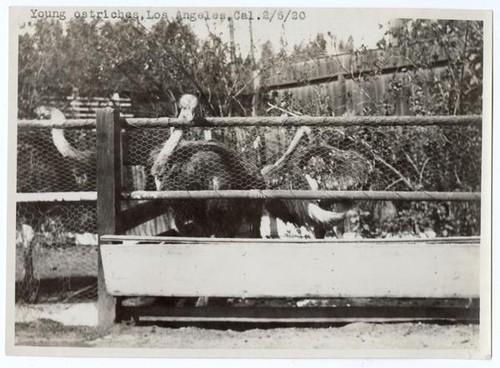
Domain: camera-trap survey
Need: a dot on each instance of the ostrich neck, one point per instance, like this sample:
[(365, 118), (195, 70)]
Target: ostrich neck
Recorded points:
[(165, 153), (57, 115), (58, 138)]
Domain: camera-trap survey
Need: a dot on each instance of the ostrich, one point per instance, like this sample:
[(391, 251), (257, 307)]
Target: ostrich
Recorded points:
[(81, 162), (201, 165), (318, 214), (319, 166), (207, 165)]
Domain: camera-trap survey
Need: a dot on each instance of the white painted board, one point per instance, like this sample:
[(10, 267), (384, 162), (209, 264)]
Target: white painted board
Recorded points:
[(280, 269)]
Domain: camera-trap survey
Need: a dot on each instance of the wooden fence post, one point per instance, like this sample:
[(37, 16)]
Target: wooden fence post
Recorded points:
[(109, 164)]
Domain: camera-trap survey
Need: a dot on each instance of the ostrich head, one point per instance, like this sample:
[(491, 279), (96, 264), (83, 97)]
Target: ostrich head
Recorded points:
[(43, 112), (188, 105)]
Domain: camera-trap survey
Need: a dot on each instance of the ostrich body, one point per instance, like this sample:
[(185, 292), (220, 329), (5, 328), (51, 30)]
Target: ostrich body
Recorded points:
[(207, 165), (340, 170), (201, 165)]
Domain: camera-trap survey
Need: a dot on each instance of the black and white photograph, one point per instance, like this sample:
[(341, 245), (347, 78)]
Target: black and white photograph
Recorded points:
[(249, 182)]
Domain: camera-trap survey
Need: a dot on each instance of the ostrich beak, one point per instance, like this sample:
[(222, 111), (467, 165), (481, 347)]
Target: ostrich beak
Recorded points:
[(42, 113), (188, 104), (187, 114)]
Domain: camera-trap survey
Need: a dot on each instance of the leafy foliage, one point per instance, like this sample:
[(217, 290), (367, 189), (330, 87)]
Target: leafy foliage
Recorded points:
[(154, 66), (453, 89)]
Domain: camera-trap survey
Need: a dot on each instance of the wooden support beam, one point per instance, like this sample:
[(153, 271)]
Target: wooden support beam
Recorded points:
[(108, 198), (307, 315)]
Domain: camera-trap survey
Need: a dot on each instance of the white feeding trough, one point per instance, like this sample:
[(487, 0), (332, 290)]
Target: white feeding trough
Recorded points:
[(426, 268)]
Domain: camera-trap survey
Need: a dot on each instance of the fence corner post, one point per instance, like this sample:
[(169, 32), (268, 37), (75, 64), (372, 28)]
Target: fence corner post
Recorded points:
[(109, 165)]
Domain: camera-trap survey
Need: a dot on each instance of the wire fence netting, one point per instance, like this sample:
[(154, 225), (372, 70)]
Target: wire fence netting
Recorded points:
[(56, 245)]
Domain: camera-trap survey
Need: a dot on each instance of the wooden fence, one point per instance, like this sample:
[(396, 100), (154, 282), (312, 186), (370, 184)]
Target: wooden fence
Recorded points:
[(342, 79), (79, 107), (445, 268), (265, 268)]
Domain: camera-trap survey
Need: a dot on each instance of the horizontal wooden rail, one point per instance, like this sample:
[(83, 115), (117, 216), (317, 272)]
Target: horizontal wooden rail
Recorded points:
[(335, 310), (297, 316), (256, 194), (56, 197), (279, 121), (270, 121), (305, 194), (307, 318), (89, 123), (452, 240)]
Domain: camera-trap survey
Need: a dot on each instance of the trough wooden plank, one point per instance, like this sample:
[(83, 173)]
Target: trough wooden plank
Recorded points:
[(277, 269)]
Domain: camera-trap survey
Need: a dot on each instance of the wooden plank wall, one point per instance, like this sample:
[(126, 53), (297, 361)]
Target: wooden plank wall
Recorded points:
[(334, 75), (77, 107)]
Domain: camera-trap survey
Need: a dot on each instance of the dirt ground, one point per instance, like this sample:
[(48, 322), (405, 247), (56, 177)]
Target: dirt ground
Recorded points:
[(350, 336)]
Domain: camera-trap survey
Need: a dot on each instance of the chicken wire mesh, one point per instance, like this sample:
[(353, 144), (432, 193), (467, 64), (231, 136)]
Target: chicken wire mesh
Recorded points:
[(41, 167), (409, 158), (429, 158), (56, 243), (56, 250), (400, 158)]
